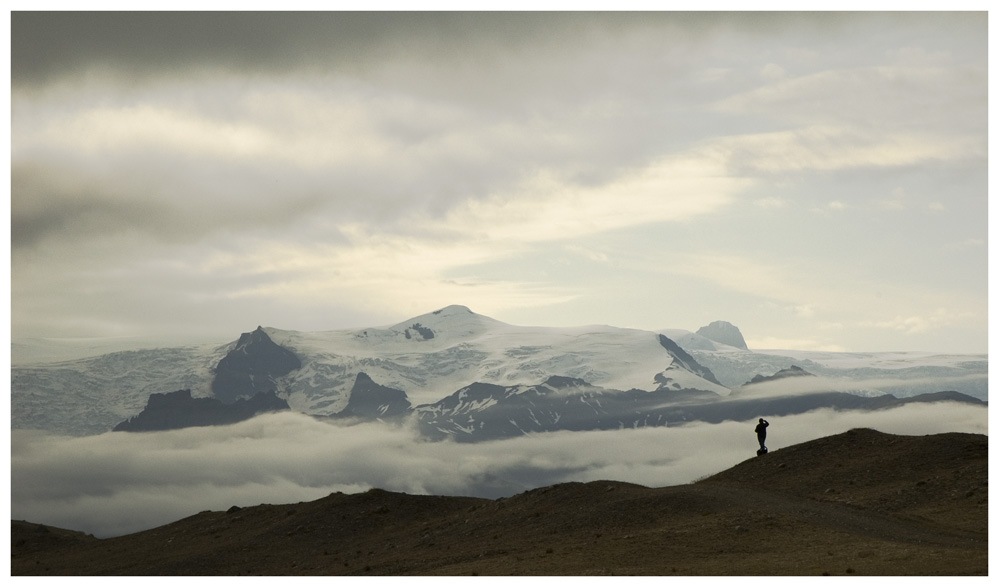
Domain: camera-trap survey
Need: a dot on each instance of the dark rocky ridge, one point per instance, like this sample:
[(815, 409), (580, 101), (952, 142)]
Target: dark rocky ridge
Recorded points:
[(792, 371), (686, 361), (484, 411), (252, 366), (369, 400), (419, 331), (169, 411)]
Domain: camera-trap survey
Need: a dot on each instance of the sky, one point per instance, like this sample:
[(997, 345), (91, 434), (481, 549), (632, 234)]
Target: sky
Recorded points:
[(817, 179), (115, 483)]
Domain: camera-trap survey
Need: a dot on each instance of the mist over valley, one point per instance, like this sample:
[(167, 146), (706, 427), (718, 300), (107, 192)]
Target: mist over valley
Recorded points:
[(450, 402)]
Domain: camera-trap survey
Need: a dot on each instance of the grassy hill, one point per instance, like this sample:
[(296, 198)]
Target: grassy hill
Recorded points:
[(860, 503)]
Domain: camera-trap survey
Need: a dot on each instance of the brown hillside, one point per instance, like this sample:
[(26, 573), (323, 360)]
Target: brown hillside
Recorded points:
[(862, 503)]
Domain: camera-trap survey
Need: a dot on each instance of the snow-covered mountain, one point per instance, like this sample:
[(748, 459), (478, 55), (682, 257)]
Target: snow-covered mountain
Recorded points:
[(432, 355), (486, 411), (428, 357)]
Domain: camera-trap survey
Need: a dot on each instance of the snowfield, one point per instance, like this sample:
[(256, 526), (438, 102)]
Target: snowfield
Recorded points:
[(434, 355), (465, 348)]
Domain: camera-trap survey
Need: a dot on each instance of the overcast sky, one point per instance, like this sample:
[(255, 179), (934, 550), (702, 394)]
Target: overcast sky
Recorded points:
[(819, 180)]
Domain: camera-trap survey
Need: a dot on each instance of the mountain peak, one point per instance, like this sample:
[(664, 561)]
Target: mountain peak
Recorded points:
[(252, 366), (452, 310), (371, 400), (723, 332), (449, 323), (682, 360)]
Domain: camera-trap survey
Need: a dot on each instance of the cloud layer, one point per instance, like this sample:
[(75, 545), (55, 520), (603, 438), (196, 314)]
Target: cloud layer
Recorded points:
[(182, 172), (119, 483)]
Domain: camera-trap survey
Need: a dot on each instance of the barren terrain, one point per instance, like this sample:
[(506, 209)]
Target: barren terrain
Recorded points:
[(861, 503)]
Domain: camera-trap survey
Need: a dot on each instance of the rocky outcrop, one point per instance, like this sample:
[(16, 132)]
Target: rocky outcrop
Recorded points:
[(419, 332), (686, 361), (792, 371), (252, 367), (723, 332), (370, 400), (170, 411)]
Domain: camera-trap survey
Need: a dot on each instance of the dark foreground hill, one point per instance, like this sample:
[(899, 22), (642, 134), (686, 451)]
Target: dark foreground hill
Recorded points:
[(861, 503)]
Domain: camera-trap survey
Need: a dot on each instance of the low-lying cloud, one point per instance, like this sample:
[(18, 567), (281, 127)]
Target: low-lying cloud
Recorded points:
[(872, 385), (118, 483)]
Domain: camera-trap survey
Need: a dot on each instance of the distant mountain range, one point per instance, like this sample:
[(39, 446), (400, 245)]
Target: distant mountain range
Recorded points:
[(484, 411), (509, 379)]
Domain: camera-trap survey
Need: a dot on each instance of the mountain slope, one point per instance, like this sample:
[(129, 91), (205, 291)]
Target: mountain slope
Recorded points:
[(433, 354), (430, 356), (684, 362), (484, 411), (860, 503)]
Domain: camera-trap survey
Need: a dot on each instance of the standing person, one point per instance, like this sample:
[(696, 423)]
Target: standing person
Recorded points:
[(761, 435)]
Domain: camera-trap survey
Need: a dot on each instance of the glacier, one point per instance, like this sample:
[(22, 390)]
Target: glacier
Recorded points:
[(431, 356)]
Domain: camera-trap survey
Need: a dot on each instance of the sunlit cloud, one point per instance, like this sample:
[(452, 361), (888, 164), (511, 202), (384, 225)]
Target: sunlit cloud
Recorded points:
[(971, 243), (822, 148), (98, 131), (940, 317), (775, 342), (866, 95), (760, 277), (376, 272), (369, 159), (896, 201), (671, 190), (377, 268), (797, 290), (770, 202)]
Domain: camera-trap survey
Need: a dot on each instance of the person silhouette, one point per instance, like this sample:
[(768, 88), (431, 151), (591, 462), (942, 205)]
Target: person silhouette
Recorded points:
[(761, 435)]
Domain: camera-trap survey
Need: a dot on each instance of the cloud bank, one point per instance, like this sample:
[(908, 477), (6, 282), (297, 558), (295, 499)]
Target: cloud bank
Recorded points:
[(119, 483), (792, 386)]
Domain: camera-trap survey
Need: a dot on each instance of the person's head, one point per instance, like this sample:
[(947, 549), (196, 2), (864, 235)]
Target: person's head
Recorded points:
[(761, 420)]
